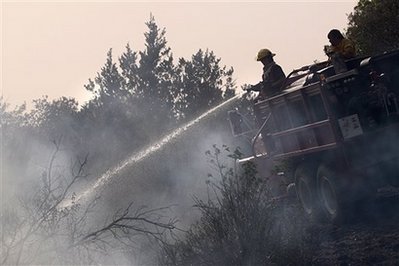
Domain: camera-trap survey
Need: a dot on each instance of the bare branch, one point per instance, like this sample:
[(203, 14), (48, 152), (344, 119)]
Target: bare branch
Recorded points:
[(124, 224)]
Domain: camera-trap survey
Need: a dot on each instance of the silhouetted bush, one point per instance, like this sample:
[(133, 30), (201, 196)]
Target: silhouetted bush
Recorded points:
[(240, 224)]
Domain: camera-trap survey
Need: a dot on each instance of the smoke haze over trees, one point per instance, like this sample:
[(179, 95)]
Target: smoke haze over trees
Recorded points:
[(137, 98)]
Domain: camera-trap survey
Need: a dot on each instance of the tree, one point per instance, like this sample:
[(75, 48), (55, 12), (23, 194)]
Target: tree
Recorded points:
[(374, 26), (114, 114), (108, 84), (53, 116), (156, 73), (202, 84), (129, 68), (55, 119), (15, 118), (139, 100), (16, 136)]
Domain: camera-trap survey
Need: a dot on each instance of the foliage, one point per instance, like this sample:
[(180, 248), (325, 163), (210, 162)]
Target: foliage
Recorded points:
[(156, 72), (15, 140), (202, 83), (55, 118), (240, 224), (15, 118), (12, 122), (149, 80), (108, 83), (129, 70), (374, 26)]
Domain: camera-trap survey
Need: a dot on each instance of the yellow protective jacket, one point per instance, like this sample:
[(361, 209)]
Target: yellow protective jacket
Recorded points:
[(346, 48)]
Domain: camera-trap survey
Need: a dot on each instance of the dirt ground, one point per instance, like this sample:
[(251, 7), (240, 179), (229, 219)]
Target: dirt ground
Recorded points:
[(370, 237)]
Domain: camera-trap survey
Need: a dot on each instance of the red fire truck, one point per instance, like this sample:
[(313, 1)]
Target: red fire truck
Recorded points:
[(337, 134)]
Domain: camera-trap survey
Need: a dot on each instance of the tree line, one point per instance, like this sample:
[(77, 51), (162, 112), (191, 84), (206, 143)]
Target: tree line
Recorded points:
[(134, 98)]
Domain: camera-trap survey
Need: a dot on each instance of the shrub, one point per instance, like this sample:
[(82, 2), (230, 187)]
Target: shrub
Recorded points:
[(240, 224)]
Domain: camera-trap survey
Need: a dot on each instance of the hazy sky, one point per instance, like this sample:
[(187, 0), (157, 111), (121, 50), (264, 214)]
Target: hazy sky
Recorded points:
[(53, 48)]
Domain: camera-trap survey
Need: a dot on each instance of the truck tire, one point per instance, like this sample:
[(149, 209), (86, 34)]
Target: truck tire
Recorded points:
[(306, 187), (330, 194)]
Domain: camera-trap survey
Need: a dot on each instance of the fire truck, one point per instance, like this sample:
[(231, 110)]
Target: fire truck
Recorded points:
[(335, 130)]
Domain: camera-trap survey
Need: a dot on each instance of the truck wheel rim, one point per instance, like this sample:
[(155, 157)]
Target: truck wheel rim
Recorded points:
[(305, 195), (328, 197)]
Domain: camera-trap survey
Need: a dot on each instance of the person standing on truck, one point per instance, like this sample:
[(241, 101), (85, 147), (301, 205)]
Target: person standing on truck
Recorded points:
[(273, 76), (340, 45), (341, 49)]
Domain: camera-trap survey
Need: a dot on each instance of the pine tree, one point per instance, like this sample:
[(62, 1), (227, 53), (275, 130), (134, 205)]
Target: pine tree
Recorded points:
[(109, 84), (156, 73), (129, 70), (203, 84)]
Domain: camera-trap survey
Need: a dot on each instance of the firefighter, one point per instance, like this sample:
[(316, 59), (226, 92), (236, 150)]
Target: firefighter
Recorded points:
[(273, 76), (340, 45), (341, 49)]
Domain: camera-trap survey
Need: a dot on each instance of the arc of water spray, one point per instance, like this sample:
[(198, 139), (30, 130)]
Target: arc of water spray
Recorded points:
[(136, 157)]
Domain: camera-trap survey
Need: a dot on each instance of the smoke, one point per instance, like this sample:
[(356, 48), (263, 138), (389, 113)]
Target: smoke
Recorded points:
[(25, 159), (34, 170), (155, 147), (168, 173)]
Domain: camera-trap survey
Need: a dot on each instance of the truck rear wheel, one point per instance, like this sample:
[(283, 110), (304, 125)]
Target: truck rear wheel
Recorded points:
[(329, 193), (306, 187)]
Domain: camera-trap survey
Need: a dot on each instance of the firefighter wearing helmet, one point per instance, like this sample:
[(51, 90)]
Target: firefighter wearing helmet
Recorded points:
[(273, 76)]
